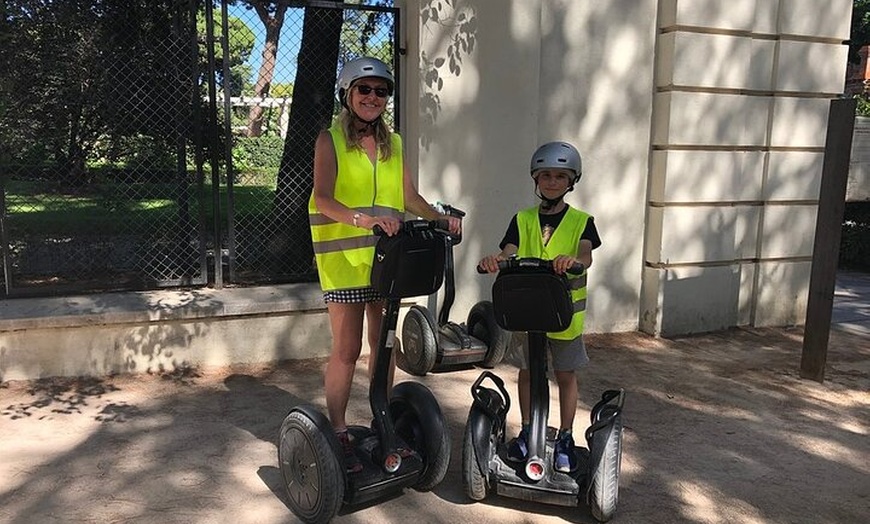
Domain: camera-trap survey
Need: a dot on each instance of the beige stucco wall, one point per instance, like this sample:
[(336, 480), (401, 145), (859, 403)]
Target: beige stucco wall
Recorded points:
[(739, 126), (538, 70), (701, 125)]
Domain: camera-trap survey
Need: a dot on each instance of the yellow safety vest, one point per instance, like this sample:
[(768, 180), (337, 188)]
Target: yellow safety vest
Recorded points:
[(343, 252), (564, 241)]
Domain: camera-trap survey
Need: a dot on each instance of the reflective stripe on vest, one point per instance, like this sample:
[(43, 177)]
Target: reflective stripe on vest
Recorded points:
[(344, 252), (564, 241)]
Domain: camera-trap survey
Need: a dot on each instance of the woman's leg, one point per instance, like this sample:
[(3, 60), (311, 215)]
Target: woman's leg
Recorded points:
[(346, 321)]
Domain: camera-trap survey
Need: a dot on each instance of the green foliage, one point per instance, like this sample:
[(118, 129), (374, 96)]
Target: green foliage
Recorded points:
[(855, 241), (134, 151), (81, 81), (862, 108), (240, 44), (258, 153)]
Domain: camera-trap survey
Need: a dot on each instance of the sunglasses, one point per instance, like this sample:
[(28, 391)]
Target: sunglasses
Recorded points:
[(380, 92)]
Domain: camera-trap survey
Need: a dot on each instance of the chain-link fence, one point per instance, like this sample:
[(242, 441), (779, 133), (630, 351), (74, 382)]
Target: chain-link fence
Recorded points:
[(147, 144)]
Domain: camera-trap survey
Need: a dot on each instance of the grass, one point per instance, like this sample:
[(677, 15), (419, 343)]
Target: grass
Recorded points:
[(40, 208)]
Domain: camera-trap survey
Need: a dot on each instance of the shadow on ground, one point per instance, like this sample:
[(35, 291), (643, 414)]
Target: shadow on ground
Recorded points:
[(719, 428)]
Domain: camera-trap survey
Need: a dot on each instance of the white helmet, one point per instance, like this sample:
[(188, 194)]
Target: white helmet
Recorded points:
[(362, 67), (557, 155)]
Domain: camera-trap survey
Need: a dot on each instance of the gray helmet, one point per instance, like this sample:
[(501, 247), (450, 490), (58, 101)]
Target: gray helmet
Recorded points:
[(557, 155), (362, 67)]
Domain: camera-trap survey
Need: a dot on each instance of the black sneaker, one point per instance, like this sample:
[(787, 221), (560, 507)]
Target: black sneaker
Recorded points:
[(519, 449), (564, 459), (351, 461)]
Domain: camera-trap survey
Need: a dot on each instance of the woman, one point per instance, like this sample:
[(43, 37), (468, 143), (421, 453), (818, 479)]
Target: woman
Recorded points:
[(360, 180)]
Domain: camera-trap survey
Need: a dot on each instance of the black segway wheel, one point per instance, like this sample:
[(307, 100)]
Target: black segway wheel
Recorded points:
[(419, 347), (474, 481), (481, 325), (418, 421), (312, 472), (603, 492)]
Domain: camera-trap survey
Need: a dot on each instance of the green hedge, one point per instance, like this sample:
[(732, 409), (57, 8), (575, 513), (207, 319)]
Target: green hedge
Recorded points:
[(257, 153)]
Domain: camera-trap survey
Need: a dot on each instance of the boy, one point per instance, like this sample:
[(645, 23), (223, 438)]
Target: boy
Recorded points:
[(555, 231)]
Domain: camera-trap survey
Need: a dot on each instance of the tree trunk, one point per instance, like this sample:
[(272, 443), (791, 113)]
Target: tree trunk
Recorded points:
[(273, 26), (310, 112)]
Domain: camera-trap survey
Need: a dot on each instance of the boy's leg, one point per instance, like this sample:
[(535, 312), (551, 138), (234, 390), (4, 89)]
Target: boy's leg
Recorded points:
[(568, 394), (567, 356)]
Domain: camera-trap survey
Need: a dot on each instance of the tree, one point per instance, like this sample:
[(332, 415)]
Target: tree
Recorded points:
[(271, 14), (310, 111), (240, 46), (79, 74)]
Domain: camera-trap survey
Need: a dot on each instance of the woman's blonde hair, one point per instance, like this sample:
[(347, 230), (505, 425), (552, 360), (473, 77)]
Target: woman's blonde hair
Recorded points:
[(353, 136)]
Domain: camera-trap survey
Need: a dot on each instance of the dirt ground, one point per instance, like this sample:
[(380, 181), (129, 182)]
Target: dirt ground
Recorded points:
[(719, 428)]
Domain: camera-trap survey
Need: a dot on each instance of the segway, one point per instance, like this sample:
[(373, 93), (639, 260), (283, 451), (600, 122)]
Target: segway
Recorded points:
[(408, 444), (529, 296), (430, 346)]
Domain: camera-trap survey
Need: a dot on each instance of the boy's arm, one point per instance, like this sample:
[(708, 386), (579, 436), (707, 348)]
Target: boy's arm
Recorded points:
[(584, 253), (490, 262), (508, 251)]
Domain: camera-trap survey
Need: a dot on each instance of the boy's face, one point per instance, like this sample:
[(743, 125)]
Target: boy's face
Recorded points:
[(553, 182)]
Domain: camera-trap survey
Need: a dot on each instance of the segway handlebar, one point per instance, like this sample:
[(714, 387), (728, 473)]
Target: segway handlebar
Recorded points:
[(531, 262), (410, 226)]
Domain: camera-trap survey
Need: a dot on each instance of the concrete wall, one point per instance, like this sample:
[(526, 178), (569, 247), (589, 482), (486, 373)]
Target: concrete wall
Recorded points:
[(527, 72), (160, 331), (739, 125)]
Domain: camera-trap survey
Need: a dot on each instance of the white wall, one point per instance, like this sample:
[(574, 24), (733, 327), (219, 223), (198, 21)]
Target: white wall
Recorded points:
[(701, 124), (739, 125), (538, 70)]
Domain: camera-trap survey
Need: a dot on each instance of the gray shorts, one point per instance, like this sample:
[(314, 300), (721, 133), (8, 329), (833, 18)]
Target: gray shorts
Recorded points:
[(565, 355)]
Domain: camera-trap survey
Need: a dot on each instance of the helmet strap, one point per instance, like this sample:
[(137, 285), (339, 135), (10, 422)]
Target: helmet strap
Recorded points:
[(368, 123), (549, 203)]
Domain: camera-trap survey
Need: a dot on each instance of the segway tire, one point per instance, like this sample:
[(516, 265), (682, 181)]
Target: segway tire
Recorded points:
[(481, 324), (312, 473), (603, 492), (419, 347), (474, 481), (419, 422)]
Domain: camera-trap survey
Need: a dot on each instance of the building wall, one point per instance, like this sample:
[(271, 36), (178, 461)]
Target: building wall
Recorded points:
[(532, 71), (701, 125), (739, 126)]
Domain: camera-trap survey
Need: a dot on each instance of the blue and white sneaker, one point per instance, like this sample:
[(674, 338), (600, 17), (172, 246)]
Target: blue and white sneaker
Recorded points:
[(519, 449), (565, 460)]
